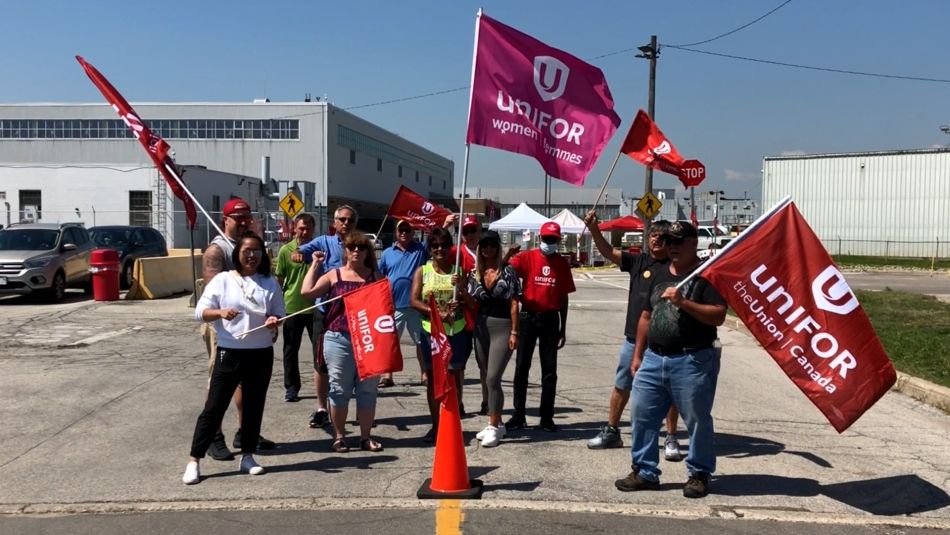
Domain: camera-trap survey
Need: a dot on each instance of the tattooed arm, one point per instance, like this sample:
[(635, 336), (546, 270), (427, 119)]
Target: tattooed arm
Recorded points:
[(212, 263)]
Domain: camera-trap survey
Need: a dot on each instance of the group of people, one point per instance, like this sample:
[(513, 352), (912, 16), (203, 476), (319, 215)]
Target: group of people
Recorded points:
[(491, 302)]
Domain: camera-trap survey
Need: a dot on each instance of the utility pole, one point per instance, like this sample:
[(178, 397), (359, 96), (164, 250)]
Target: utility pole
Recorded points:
[(649, 52)]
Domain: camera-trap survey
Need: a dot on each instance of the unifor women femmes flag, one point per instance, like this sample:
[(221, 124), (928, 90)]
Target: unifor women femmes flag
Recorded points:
[(154, 145), (416, 210), (370, 316), (533, 99), (785, 287)]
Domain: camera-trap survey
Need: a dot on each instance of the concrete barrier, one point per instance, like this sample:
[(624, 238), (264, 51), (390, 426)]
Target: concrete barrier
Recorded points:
[(153, 278)]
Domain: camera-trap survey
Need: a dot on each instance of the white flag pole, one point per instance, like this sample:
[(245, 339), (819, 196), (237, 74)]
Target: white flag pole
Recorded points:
[(181, 183), (606, 180)]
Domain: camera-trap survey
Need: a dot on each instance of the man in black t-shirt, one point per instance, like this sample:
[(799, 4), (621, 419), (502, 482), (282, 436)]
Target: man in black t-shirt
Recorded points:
[(641, 268), (676, 361)]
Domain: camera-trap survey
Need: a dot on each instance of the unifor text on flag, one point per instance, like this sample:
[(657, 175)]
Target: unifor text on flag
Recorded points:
[(370, 317), (785, 287), (536, 100), (156, 147), (416, 210), (441, 353)]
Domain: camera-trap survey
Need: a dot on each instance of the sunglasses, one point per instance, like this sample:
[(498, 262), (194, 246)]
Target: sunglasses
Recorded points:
[(251, 252), (673, 241), (440, 245), (470, 230), (550, 240), (357, 247), (345, 219), (404, 230)]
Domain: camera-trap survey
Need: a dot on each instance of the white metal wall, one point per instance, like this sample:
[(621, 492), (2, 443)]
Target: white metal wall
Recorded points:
[(879, 204)]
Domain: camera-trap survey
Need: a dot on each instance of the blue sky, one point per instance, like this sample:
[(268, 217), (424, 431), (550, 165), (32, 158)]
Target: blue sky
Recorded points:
[(725, 112)]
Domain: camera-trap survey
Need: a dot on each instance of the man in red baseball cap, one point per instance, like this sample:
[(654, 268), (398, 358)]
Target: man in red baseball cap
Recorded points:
[(547, 283)]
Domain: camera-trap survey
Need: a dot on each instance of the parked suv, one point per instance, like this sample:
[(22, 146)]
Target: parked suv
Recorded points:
[(130, 242), (44, 258)]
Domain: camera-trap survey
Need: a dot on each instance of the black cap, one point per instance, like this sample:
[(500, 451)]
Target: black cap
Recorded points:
[(681, 230), (490, 235)]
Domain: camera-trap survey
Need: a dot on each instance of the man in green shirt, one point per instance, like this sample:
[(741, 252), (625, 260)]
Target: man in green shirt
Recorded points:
[(290, 275)]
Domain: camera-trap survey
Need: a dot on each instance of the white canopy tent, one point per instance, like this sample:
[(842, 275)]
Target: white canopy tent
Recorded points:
[(570, 223), (521, 218)]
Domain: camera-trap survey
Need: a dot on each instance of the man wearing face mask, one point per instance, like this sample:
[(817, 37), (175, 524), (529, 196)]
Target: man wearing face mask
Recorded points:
[(547, 282)]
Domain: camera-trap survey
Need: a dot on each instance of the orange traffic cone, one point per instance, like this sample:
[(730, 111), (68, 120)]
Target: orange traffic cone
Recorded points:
[(449, 468)]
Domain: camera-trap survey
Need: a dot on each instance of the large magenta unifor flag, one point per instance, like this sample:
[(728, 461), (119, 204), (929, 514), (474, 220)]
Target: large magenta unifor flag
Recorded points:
[(533, 99), (154, 145)]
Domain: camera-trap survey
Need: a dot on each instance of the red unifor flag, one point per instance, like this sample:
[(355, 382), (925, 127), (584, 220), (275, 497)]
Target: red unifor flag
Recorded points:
[(441, 353), (785, 287), (646, 144), (416, 210), (370, 316), (533, 99), (154, 145)]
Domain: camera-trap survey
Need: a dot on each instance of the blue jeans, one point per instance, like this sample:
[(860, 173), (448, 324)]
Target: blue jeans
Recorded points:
[(623, 380), (344, 379), (688, 381)]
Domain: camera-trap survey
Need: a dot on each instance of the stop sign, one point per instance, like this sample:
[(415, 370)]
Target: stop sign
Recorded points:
[(692, 173)]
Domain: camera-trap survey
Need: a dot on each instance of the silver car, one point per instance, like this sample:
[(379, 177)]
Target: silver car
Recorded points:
[(44, 258)]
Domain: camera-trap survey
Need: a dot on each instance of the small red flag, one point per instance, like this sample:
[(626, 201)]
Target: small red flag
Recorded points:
[(646, 144), (785, 287), (441, 353), (154, 145), (416, 210), (370, 316)]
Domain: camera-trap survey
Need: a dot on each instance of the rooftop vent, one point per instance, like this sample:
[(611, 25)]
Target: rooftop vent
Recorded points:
[(261, 100)]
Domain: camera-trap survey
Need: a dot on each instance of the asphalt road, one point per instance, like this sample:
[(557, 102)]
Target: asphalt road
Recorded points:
[(99, 400)]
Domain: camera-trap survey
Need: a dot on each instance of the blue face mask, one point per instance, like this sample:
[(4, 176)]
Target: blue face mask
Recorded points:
[(548, 249)]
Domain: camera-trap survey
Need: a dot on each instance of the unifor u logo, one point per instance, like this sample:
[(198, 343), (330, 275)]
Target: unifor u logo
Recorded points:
[(427, 208), (385, 324), (832, 292), (550, 77), (662, 148)]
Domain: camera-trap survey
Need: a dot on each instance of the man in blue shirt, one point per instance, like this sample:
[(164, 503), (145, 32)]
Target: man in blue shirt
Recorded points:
[(399, 264), (344, 220)]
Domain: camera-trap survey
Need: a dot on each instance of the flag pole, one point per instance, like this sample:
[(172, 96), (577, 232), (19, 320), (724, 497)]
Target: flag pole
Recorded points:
[(187, 191), (194, 270), (606, 180), (762, 218), (381, 225), (458, 249)]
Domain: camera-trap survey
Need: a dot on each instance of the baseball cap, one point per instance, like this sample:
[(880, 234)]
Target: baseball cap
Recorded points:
[(681, 230), (236, 205), (470, 220), (551, 229), (490, 235)]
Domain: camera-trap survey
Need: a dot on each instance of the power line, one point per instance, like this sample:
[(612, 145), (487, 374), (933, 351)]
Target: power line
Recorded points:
[(744, 26), (812, 67), (404, 99)]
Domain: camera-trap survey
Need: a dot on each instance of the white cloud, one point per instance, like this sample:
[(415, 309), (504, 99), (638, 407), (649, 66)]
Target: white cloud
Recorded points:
[(796, 152), (739, 175)]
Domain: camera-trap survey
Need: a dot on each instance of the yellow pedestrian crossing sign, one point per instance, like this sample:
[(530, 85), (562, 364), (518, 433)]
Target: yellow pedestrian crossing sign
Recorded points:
[(291, 204), (649, 205)]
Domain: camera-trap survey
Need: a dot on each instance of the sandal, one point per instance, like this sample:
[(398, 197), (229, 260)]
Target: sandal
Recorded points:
[(368, 444), (339, 446), (386, 382)]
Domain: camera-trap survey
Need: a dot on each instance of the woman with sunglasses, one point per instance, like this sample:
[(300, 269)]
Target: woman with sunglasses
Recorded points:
[(495, 287), (359, 268), (440, 278), (236, 301)]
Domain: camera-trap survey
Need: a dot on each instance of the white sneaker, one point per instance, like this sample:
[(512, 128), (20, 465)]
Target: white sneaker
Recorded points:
[(481, 434), (502, 431), (671, 450), (250, 466), (192, 474), (490, 439)]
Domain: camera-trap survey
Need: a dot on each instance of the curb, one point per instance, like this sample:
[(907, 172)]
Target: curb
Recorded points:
[(919, 389)]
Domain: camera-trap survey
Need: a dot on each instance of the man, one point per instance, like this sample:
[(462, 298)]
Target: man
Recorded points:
[(216, 259), (290, 275), (676, 361), (547, 282), (344, 221), (399, 264), (641, 268)]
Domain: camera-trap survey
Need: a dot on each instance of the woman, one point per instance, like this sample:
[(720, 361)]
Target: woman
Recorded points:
[(439, 277), (234, 302), (359, 269), (495, 287)]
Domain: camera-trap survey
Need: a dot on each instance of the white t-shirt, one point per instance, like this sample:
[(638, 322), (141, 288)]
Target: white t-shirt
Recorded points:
[(255, 297)]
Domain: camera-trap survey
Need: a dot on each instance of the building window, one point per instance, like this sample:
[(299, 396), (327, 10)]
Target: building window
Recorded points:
[(352, 157), (140, 208), (400, 171), (379, 165), (443, 185), (417, 176), (265, 129), (430, 180), (353, 140), (215, 203), (31, 205)]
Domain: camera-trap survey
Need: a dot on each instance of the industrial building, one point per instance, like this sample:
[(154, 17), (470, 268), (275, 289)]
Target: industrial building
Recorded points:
[(67, 161), (889, 203)]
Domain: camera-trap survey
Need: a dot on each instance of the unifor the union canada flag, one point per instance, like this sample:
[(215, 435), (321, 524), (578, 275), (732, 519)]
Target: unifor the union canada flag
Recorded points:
[(785, 287), (533, 99), (646, 144), (370, 316), (441, 353), (156, 147), (416, 210)]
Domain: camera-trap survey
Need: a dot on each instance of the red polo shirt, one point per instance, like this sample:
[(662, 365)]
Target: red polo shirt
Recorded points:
[(545, 279)]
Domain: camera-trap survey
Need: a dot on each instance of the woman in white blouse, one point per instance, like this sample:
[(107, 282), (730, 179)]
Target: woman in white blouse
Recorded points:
[(234, 302)]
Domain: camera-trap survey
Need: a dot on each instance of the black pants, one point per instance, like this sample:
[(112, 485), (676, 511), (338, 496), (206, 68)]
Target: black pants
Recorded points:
[(293, 334), (251, 368), (542, 329)]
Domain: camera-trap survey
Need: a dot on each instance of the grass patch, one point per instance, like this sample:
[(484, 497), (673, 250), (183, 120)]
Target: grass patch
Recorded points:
[(915, 331), (854, 261)]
